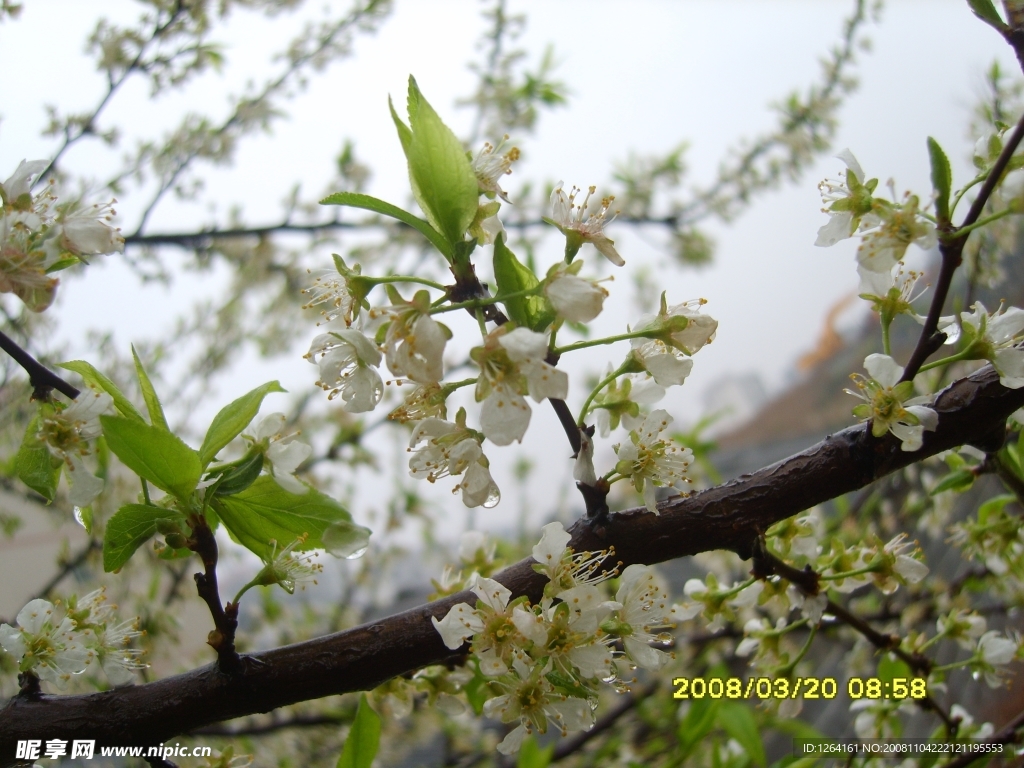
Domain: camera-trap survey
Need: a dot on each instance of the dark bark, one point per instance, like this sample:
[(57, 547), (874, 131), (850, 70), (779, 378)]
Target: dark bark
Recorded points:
[(730, 516)]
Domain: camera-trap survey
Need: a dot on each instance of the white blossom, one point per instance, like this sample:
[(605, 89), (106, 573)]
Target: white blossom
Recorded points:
[(67, 434), (653, 462), (489, 165), (845, 200), (512, 364), (449, 449), (414, 345), (888, 406), (575, 298), (348, 366), (644, 611), (20, 182), (40, 644), (682, 326), (894, 228), (579, 228), (997, 337), (284, 453), (532, 701)]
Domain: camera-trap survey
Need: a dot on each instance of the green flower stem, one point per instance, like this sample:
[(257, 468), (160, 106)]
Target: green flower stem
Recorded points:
[(886, 322), (481, 322), (600, 385), (645, 334), (404, 279), (483, 302), (787, 670), (145, 491), (244, 589), (959, 195), (869, 568), (982, 222), (929, 643), (951, 666), (946, 361), (463, 383), (737, 589)]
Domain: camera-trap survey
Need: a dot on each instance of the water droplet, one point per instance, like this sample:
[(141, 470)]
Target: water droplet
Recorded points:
[(78, 517), (357, 553), (344, 539), (493, 497)]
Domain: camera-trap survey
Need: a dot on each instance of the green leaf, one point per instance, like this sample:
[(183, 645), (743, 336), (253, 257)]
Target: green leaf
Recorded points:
[(697, 724), (737, 720), (532, 756), (232, 419), (368, 203), (242, 476), (156, 411), (994, 506), (363, 739), (942, 179), (131, 527), (442, 177), (889, 668), (154, 454), (94, 378), (986, 11), (35, 464), (266, 512), (957, 480), (533, 312)]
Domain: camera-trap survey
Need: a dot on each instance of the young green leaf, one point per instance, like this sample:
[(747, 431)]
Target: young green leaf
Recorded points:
[(368, 203), (35, 464), (986, 11), (533, 756), (363, 739), (443, 180), (942, 179), (958, 480), (131, 527), (533, 312), (94, 378), (156, 411), (697, 724), (232, 419), (266, 512), (737, 720), (154, 454), (241, 477)]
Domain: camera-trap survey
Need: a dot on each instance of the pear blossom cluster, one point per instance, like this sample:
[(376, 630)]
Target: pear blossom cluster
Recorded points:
[(516, 357), (543, 663), (887, 228), (55, 645), (39, 236)]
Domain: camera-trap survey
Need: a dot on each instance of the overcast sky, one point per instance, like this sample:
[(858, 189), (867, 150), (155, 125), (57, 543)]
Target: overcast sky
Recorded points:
[(644, 75)]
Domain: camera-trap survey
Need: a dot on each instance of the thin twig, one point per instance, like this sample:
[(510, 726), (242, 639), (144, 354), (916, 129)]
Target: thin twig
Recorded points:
[(225, 618), (68, 566), (952, 248), (1006, 736), (40, 377)]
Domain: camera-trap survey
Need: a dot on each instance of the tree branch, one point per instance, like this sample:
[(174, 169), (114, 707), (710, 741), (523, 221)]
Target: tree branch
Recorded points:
[(731, 516), (40, 377)]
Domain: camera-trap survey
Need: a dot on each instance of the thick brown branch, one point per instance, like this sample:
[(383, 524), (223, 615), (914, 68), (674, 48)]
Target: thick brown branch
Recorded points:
[(731, 516)]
